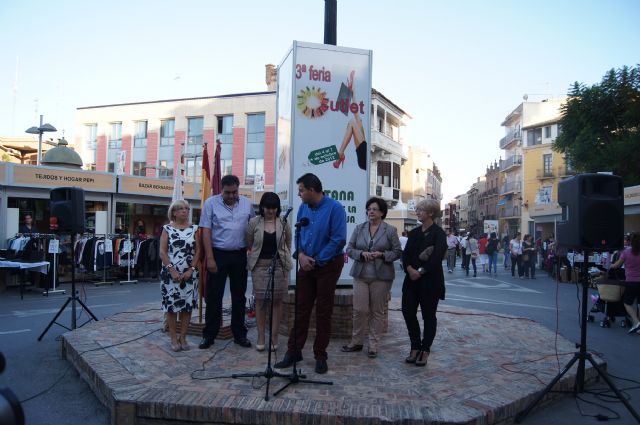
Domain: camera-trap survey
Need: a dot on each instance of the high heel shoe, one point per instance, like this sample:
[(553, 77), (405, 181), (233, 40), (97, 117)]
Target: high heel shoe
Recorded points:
[(260, 347), (413, 355), (422, 358), (339, 161), (184, 345), (175, 346)]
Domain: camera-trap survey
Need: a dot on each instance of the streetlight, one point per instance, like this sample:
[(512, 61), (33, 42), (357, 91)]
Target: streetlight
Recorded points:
[(39, 130)]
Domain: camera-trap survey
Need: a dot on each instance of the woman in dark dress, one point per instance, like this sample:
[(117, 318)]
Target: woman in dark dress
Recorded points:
[(424, 283)]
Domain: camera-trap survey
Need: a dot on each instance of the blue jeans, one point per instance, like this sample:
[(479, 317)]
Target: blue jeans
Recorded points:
[(493, 260)]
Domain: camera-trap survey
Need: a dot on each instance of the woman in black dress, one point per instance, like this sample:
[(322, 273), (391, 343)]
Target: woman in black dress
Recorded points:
[(424, 283)]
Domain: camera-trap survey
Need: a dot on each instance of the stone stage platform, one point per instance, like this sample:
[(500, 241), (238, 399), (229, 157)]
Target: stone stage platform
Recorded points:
[(483, 369)]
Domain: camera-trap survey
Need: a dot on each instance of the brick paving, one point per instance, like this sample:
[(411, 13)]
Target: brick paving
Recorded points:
[(483, 369)]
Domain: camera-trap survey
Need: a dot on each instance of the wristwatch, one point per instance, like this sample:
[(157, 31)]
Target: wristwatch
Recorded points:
[(421, 270), (169, 266)]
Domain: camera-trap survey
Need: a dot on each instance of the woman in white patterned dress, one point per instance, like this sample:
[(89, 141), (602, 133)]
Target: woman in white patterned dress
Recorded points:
[(179, 252)]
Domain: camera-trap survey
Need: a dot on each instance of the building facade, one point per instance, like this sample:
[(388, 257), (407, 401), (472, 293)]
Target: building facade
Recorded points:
[(387, 154), (543, 170), (511, 214), (420, 176)]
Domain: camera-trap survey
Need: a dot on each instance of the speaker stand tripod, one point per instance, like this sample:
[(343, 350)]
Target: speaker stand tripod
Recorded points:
[(72, 299), (580, 357)]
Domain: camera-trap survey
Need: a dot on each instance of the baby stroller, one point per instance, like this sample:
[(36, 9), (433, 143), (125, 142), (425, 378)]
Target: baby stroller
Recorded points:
[(609, 299)]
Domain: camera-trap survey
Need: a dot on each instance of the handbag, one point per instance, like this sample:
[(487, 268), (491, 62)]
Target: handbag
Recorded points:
[(525, 257)]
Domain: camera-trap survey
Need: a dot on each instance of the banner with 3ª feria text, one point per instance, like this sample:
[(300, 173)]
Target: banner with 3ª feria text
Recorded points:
[(324, 113)]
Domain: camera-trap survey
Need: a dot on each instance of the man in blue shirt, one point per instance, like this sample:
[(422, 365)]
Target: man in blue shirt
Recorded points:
[(321, 259), (224, 223)]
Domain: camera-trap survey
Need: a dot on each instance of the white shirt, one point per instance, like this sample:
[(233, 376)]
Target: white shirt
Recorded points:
[(516, 247)]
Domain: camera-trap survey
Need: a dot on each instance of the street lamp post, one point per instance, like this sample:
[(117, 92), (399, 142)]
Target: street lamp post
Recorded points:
[(39, 130)]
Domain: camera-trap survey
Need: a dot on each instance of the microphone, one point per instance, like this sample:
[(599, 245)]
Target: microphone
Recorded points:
[(304, 221), (286, 214)]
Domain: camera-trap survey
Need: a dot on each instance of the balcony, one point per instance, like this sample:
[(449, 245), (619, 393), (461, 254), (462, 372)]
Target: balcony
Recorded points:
[(387, 192), (510, 138), (545, 173), (565, 171), (513, 161), (509, 212), (488, 193), (384, 143), (511, 187)]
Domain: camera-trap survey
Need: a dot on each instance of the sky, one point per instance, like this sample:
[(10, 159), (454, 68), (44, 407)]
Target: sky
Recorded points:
[(457, 67)]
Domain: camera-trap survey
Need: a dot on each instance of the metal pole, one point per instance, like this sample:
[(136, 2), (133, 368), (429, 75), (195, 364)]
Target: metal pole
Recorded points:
[(40, 142), (330, 21)]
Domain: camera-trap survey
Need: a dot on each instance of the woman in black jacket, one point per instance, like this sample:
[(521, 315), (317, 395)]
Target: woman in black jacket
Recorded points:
[(424, 283)]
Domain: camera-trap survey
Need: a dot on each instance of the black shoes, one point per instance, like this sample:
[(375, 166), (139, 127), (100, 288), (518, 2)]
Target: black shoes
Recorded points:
[(287, 360), (351, 348), (205, 343), (243, 342), (321, 366)]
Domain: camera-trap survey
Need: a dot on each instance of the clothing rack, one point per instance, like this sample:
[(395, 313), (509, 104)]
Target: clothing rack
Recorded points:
[(110, 236), (127, 237), (54, 278)]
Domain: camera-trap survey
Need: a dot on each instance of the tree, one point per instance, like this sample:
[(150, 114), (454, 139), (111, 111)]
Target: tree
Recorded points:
[(600, 125)]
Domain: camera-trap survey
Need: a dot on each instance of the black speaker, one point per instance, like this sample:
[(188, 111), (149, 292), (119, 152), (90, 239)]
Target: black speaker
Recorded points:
[(67, 205), (592, 212)]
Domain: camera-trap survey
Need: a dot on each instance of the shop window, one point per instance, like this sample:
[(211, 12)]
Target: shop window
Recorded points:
[(90, 166), (111, 167)]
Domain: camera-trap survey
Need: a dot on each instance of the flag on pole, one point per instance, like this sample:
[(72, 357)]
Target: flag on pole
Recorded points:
[(205, 182), (178, 179), (217, 173), (205, 193)]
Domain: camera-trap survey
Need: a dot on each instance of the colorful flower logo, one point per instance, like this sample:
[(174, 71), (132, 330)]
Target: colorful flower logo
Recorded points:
[(313, 102)]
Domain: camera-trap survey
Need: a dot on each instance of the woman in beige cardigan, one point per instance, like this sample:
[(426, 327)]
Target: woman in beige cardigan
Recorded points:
[(267, 236), (374, 245)]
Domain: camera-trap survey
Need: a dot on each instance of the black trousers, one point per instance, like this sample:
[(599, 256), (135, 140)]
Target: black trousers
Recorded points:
[(426, 295), (516, 261), (231, 264)]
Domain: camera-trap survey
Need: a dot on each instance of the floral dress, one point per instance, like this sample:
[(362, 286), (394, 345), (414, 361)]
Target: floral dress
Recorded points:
[(180, 296)]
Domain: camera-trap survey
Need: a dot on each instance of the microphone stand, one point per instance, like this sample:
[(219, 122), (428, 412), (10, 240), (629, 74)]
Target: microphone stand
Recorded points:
[(297, 377), (269, 371)]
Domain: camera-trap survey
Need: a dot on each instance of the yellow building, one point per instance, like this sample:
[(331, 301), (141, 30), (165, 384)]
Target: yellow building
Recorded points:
[(543, 169)]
